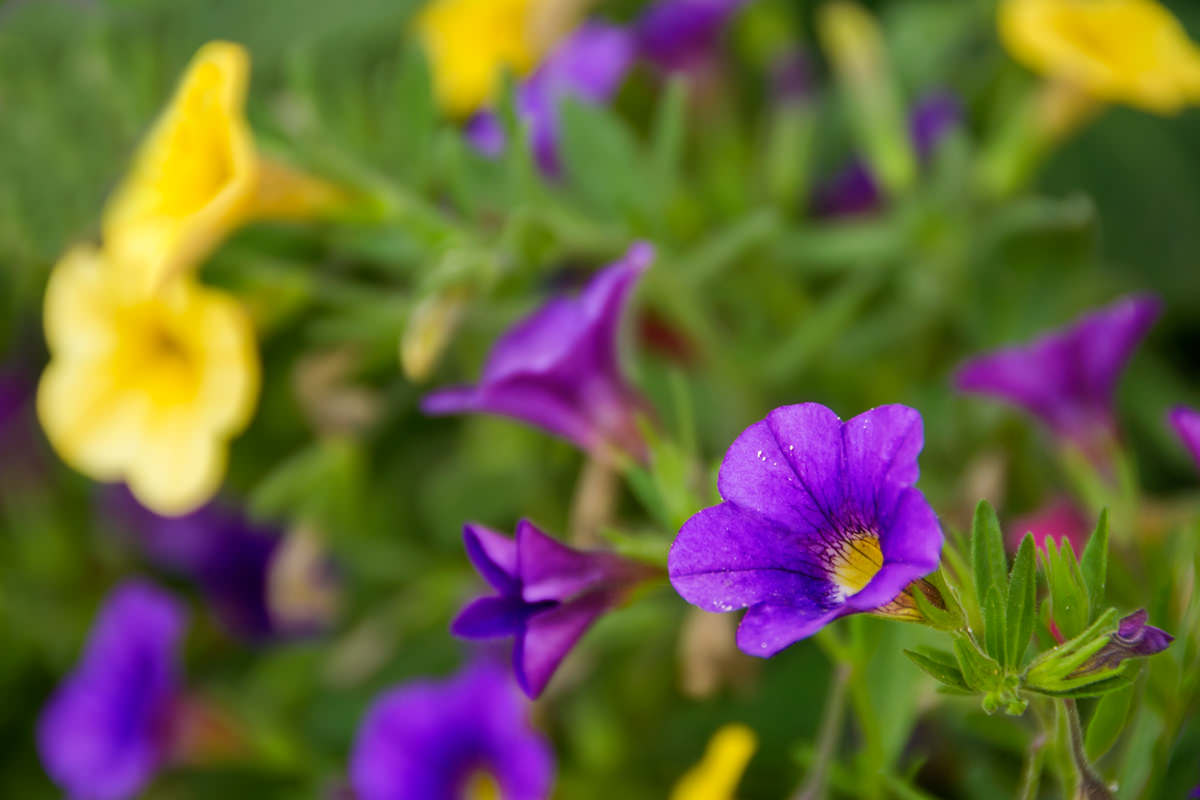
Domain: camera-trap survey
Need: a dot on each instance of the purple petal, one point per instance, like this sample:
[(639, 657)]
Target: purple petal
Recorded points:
[(851, 192), (491, 617), (1067, 377), (550, 570), (935, 115), (494, 555), (549, 636), (1186, 422), (766, 629), (104, 732), (679, 35)]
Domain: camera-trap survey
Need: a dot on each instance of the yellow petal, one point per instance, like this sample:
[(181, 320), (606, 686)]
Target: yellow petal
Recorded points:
[(717, 775), (283, 192), (193, 176), (79, 304), (178, 466)]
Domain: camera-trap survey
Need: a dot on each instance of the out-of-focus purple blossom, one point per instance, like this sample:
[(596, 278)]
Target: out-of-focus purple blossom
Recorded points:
[(548, 596), (792, 78), (1186, 422), (558, 369), (588, 66), (682, 35), (107, 728), (227, 554), (1059, 520), (1067, 377), (820, 520), (465, 737), (855, 190), (1133, 639)]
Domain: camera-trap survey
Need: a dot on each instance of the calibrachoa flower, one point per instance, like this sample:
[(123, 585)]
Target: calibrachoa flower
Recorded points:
[(470, 43), (1059, 520), (106, 730), (1067, 377), (548, 596), (1186, 422), (466, 738), (558, 368), (588, 66), (197, 176), (717, 775), (820, 520), (1124, 51), (145, 388), (1133, 639), (681, 35)]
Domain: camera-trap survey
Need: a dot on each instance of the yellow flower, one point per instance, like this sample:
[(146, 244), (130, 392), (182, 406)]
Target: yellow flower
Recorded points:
[(197, 176), (1125, 51), (471, 42), (145, 387), (718, 773)]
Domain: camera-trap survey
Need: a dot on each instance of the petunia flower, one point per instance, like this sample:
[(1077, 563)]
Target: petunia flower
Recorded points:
[(682, 35), (548, 595), (145, 388), (197, 176), (717, 775), (232, 558), (820, 519), (1058, 520), (558, 368), (470, 43), (1124, 51), (587, 66), (1186, 422), (1067, 377), (856, 190), (106, 730), (1132, 639), (466, 738)]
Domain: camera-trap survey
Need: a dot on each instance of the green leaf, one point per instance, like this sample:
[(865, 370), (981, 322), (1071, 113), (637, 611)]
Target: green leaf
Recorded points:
[(994, 626), (667, 137), (603, 163), (1107, 721), (1096, 689), (1022, 603), (939, 665), (949, 618), (987, 554), (980, 672), (1094, 565), (1069, 605)]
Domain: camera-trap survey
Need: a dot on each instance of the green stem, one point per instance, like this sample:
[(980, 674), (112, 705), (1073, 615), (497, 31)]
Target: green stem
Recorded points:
[(1031, 775), (813, 787), (1090, 785)]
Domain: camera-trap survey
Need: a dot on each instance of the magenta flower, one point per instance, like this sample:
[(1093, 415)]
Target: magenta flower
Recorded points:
[(682, 35), (106, 730), (588, 66), (1067, 377), (820, 520), (548, 596), (452, 739), (1059, 520), (558, 368), (1186, 422)]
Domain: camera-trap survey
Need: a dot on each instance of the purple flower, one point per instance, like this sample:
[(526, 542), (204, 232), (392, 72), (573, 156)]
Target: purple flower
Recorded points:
[(855, 191), (106, 729), (446, 740), (1067, 377), (548, 596), (820, 520), (558, 368), (1133, 639), (228, 555), (681, 35), (588, 66), (1186, 422)]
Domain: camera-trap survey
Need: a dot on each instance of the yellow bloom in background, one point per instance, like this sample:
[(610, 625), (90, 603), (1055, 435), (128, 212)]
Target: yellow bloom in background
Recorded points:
[(197, 176), (717, 775), (470, 43), (145, 387), (1125, 51)]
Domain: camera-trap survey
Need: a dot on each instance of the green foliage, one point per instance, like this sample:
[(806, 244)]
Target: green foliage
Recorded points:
[(1022, 604)]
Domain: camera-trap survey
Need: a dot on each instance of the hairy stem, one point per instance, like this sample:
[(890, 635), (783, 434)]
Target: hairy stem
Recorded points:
[(831, 730), (1031, 774), (1091, 786)]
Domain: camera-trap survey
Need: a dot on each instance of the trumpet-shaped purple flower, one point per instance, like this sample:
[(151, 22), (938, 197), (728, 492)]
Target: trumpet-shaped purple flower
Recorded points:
[(1067, 377), (820, 520), (467, 737), (1186, 422), (681, 35), (106, 730), (588, 66), (1133, 639), (558, 369), (548, 595)]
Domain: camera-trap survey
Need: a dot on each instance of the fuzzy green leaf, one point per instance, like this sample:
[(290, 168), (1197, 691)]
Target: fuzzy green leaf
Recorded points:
[(981, 672), (1094, 565), (1107, 722), (987, 554), (940, 665), (1022, 603), (994, 625)]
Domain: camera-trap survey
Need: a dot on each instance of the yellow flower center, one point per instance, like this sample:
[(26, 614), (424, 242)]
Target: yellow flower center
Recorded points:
[(855, 561), (481, 785)]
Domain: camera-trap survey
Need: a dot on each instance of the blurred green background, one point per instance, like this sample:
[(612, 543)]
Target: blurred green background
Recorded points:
[(851, 314)]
